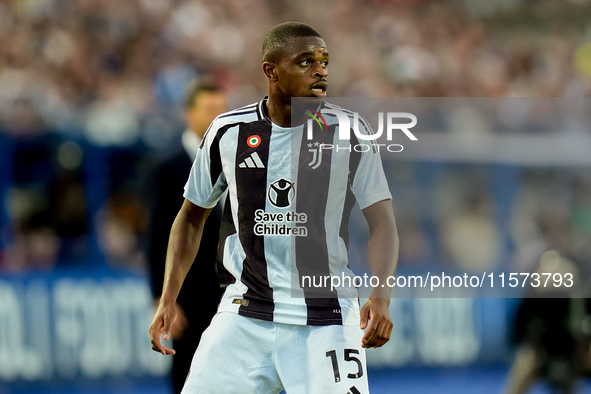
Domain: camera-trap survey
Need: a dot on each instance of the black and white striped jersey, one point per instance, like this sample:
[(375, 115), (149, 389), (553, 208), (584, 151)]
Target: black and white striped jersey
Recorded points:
[(286, 214)]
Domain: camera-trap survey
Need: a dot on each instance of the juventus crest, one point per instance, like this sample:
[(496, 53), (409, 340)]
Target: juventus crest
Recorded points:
[(314, 148)]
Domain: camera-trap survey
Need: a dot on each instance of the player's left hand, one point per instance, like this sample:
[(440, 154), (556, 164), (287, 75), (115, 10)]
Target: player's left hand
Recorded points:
[(379, 329), (161, 326)]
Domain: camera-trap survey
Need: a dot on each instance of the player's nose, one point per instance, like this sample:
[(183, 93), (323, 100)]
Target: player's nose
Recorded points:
[(320, 71)]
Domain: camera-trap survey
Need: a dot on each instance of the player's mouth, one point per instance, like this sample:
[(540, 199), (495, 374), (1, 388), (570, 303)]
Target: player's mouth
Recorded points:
[(319, 89)]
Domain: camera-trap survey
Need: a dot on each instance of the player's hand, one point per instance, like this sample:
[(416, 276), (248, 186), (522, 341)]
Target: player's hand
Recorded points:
[(161, 326), (379, 329), (181, 323)]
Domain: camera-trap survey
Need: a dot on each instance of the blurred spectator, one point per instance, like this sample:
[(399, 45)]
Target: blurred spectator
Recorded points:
[(200, 295), (553, 334), (47, 203), (549, 212), (467, 227), (120, 225), (471, 237), (36, 244)]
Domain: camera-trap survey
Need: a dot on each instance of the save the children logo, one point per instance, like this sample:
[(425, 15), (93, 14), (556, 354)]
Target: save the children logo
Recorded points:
[(281, 193)]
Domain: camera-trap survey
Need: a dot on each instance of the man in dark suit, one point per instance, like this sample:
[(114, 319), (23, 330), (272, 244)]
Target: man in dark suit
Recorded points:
[(197, 302)]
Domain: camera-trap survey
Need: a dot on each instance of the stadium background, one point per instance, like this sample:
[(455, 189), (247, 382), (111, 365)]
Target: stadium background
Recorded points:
[(90, 94)]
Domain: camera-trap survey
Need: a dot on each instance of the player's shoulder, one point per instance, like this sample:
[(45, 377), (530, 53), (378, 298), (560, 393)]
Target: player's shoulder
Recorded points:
[(247, 113), (227, 120), (330, 106)]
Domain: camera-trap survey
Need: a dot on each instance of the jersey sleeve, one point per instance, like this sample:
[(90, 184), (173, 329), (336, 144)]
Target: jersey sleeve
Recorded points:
[(369, 184), (207, 181)]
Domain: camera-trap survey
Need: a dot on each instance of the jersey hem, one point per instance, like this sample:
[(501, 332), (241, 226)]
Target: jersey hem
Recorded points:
[(310, 322)]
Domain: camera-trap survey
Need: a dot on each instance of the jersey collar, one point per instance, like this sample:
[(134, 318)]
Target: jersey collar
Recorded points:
[(262, 110), (264, 115)]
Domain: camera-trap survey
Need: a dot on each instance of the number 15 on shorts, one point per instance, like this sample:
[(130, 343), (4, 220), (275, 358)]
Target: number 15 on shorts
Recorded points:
[(349, 357)]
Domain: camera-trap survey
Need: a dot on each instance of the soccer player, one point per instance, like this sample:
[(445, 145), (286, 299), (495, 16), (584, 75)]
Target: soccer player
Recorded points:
[(284, 217), (197, 302)]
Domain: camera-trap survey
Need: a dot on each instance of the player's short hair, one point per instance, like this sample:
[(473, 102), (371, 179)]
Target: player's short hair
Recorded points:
[(195, 88), (277, 39)]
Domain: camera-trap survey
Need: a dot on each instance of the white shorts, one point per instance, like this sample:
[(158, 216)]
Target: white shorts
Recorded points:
[(241, 355)]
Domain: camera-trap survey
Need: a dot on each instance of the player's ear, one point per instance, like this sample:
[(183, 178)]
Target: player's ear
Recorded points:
[(270, 71)]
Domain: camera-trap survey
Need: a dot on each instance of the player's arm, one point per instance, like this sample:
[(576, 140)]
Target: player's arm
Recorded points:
[(382, 250), (183, 244)]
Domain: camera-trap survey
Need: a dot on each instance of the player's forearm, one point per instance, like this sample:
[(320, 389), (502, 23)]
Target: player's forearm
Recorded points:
[(382, 250), (383, 245), (183, 244)]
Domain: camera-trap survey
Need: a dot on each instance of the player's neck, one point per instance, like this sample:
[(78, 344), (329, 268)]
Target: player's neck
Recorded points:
[(279, 112)]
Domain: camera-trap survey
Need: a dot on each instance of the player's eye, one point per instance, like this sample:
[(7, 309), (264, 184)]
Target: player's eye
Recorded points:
[(305, 63), (324, 64)]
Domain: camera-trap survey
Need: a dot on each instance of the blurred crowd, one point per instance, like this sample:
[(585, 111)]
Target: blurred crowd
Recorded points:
[(470, 218), (85, 75), (116, 69)]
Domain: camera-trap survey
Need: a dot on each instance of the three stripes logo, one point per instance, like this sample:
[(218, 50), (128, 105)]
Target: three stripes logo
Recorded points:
[(253, 161)]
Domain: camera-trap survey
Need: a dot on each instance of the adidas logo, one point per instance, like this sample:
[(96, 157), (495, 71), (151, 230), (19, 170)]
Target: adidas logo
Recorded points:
[(254, 161)]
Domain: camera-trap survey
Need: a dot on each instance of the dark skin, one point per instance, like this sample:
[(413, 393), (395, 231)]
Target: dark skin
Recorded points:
[(300, 71), (382, 253)]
